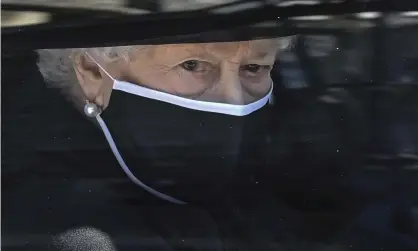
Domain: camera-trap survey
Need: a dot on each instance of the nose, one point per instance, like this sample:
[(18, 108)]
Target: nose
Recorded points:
[(229, 87)]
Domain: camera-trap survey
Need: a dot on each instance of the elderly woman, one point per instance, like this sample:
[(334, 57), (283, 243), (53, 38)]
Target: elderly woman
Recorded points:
[(172, 114), (170, 124)]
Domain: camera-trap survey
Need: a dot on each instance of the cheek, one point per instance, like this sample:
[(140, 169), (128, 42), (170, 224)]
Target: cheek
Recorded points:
[(180, 83), (192, 85), (257, 87)]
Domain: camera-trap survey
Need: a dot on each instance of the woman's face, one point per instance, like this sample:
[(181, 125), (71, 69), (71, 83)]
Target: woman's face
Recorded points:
[(229, 72)]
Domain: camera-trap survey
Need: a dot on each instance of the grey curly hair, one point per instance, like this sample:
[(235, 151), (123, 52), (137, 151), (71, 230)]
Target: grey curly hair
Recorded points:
[(56, 66)]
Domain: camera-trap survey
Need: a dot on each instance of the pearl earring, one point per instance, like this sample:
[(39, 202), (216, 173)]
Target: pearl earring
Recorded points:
[(92, 110)]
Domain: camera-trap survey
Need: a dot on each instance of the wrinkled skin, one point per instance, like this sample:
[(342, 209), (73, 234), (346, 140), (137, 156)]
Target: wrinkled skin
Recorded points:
[(230, 72)]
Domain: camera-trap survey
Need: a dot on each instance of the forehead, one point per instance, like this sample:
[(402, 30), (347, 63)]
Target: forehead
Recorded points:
[(254, 48)]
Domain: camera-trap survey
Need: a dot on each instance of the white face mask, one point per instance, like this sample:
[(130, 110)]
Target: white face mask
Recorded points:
[(204, 106)]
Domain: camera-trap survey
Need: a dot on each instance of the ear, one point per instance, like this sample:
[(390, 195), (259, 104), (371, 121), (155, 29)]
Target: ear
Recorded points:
[(94, 82)]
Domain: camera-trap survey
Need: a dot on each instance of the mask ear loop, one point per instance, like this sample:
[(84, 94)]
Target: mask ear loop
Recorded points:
[(89, 109), (101, 67)]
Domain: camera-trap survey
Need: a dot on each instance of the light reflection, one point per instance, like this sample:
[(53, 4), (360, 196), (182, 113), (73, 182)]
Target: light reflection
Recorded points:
[(368, 15), (312, 18), (23, 18), (409, 14)]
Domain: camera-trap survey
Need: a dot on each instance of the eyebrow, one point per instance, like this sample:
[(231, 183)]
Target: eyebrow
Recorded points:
[(258, 55), (173, 56), (261, 51), (252, 56), (199, 54)]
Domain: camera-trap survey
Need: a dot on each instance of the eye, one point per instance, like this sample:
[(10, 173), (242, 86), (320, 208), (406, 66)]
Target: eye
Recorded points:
[(196, 66), (190, 65), (253, 68)]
